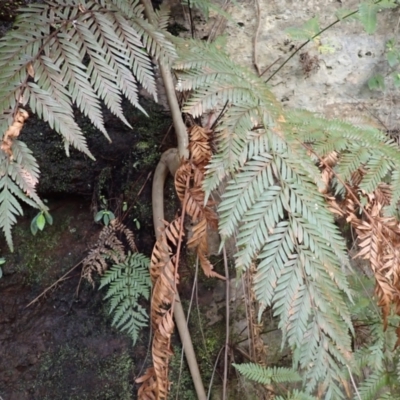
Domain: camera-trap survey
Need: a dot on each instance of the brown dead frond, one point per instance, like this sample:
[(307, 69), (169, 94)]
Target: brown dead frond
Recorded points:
[(155, 383), (378, 236), (13, 132), (202, 213), (108, 247), (164, 260)]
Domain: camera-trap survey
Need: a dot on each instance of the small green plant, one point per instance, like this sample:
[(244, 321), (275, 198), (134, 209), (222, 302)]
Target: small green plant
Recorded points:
[(127, 281), (39, 222), (137, 223), (377, 82), (104, 214)]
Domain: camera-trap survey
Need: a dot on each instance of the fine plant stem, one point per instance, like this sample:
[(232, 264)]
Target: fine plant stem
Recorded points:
[(353, 383), (227, 297), (213, 373), (179, 125), (194, 290), (255, 53), (63, 278)]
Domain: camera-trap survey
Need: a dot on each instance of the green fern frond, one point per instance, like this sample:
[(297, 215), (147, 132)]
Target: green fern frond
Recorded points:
[(365, 147), (73, 52), (115, 47), (162, 17), (273, 202), (128, 281), (296, 395), (266, 376), (370, 388), (130, 8), (18, 179)]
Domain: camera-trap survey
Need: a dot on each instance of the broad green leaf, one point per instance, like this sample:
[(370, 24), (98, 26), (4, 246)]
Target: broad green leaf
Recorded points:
[(49, 218), (396, 79), (392, 57), (367, 14), (308, 31), (106, 219), (34, 227), (99, 216), (377, 82), (111, 215), (137, 223), (41, 221)]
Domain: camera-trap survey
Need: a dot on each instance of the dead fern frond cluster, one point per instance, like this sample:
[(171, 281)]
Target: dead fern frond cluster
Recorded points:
[(378, 236), (127, 278), (189, 180), (109, 247), (155, 383)]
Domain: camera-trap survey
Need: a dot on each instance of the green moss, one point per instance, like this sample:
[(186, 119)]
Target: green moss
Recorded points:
[(35, 257), (85, 368), (207, 342), (182, 385)]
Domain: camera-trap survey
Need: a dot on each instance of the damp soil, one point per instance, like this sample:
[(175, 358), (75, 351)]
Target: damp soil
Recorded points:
[(63, 345)]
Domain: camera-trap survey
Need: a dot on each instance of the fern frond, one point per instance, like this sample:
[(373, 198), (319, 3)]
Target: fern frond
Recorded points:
[(155, 42), (296, 395), (115, 46), (128, 281), (266, 376), (218, 80), (163, 16), (107, 247), (274, 203), (370, 388), (10, 208)]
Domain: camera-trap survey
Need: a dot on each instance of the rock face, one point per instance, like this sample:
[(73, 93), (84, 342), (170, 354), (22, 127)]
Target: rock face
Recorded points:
[(328, 75)]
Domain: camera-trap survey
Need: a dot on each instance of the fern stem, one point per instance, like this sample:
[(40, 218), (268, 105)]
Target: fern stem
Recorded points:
[(168, 163), (227, 299), (179, 125)]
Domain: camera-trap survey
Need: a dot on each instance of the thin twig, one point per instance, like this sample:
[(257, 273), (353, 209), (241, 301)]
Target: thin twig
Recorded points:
[(181, 230), (227, 298), (312, 38), (270, 66), (213, 373), (54, 284), (353, 383), (255, 53), (191, 20)]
